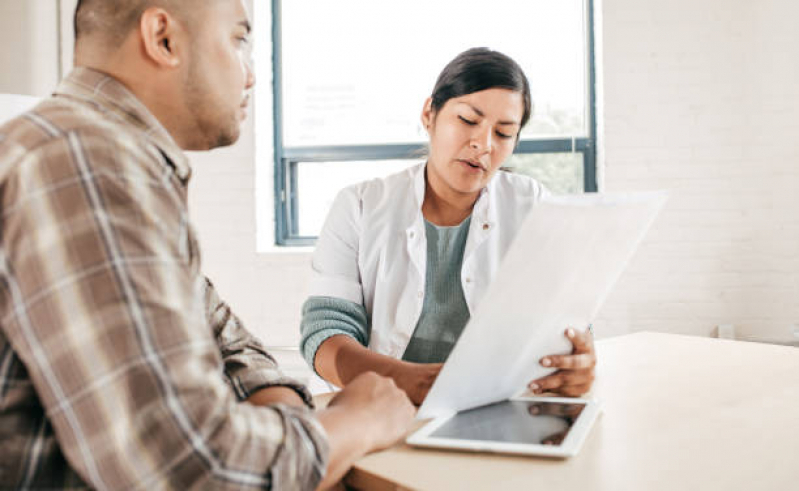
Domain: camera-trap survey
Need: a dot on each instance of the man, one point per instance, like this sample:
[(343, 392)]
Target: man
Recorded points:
[(119, 365)]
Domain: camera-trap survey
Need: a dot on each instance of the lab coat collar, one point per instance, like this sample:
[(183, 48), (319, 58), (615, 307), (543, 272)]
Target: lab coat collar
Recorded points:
[(484, 219), (483, 212)]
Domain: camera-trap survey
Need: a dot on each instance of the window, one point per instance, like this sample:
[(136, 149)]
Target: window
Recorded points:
[(351, 77)]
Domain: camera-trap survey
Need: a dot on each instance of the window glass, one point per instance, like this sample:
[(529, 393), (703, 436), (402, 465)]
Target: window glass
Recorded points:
[(561, 173), (357, 72), (319, 183)]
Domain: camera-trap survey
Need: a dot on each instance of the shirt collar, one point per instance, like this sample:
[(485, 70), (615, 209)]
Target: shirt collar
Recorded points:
[(114, 100)]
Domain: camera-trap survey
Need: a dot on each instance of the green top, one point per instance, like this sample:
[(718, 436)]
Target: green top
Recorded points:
[(444, 312)]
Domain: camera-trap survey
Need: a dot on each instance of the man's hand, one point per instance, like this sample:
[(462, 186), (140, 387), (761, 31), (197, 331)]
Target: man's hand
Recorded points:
[(370, 413), (386, 412), (575, 373)]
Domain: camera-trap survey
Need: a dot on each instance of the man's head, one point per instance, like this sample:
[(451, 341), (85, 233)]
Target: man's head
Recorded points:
[(187, 60)]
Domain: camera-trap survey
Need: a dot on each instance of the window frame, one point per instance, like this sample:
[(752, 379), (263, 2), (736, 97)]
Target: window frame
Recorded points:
[(286, 160)]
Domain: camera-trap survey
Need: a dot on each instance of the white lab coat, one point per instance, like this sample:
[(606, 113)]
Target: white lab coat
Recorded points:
[(372, 248)]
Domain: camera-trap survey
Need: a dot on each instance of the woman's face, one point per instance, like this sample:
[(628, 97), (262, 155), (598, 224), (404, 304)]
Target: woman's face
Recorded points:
[(470, 137)]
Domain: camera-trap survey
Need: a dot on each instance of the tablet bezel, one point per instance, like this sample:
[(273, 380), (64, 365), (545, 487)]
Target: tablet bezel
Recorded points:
[(569, 447)]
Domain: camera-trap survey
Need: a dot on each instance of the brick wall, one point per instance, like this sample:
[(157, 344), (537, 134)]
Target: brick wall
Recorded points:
[(702, 98)]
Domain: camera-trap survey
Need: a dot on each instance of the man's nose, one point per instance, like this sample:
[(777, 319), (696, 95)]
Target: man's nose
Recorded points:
[(250, 74)]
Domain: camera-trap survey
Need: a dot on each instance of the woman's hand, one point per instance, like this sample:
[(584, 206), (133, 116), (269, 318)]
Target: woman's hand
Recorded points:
[(575, 373), (417, 378)]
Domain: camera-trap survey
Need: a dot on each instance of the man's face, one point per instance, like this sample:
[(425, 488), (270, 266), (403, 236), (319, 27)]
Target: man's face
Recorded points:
[(219, 73)]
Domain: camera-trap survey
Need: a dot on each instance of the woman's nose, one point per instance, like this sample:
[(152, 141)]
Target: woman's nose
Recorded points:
[(481, 140)]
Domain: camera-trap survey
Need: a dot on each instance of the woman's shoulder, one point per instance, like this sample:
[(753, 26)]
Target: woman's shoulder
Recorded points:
[(510, 183), (382, 196), (383, 188)]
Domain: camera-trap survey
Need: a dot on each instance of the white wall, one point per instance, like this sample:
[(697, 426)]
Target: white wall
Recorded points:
[(29, 32), (701, 98), (696, 97)]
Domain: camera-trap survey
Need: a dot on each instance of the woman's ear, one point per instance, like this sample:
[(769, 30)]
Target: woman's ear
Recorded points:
[(160, 37), (427, 114)]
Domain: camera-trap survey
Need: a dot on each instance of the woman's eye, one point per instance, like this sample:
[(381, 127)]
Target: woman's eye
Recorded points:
[(467, 121), (504, 135)]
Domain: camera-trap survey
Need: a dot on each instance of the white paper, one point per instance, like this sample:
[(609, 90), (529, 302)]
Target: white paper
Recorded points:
[(557, 273)]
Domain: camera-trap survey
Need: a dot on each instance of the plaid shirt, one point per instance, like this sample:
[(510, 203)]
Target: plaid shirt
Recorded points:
[(119, 365)]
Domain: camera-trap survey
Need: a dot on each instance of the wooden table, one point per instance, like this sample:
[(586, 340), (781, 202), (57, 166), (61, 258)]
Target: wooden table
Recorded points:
[(679, 413)]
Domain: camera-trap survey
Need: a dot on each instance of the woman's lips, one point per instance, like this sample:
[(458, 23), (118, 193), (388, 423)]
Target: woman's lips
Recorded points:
[(472, 164)]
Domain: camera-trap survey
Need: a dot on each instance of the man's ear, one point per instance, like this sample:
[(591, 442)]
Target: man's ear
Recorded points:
[(162, 37), (427, 114)]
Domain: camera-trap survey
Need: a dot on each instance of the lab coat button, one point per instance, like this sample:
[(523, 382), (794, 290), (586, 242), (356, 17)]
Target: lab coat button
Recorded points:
[(486, 226), (420, 294)]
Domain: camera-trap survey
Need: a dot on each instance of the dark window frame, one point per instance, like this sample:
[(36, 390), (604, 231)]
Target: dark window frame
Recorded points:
[(286, 160)]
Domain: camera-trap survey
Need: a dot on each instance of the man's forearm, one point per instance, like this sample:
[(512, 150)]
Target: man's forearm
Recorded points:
[(276, 395), (346, 445)]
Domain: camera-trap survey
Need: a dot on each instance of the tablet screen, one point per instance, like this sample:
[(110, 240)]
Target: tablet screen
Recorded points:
[(531, 422)]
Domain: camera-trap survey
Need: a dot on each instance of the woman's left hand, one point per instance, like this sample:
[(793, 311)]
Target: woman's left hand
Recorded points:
[(575, 373)]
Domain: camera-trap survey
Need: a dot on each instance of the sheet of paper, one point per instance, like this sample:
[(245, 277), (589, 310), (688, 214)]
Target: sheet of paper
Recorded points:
[(562, 265)]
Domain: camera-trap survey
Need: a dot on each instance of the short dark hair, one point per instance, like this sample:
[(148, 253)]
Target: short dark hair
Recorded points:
[(114, 19), (479, 69)]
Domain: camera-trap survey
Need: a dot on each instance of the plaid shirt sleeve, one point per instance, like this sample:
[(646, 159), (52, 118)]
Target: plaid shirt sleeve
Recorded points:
[(125, 343), (248, 366)]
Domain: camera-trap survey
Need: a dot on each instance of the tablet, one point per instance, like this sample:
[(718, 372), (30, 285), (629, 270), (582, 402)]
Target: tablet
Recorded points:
[(546, 426)]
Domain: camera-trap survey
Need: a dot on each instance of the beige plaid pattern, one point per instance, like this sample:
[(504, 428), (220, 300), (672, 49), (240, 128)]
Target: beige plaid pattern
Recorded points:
[(120, 367)]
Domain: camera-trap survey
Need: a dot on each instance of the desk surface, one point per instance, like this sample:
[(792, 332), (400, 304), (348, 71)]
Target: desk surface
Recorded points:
[(679, 412)]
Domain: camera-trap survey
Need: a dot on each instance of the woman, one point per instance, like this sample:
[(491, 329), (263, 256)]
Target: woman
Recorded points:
[(402, 261)]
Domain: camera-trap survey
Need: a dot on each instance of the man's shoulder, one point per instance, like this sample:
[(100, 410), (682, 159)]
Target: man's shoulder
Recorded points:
[(57, 118), (58, 127)]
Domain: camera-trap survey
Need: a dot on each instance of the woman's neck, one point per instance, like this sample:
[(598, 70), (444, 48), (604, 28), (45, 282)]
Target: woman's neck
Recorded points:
[(444, 206)]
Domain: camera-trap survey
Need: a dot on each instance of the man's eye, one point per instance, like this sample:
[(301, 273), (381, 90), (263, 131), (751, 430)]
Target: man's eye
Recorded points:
[(467, 121)]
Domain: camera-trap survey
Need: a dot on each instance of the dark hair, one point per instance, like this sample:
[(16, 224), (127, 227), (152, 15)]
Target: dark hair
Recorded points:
[(114, 19), (479, 69)]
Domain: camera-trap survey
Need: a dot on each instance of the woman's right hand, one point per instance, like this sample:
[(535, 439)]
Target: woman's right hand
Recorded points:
[(417, 378), (341, 358)]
